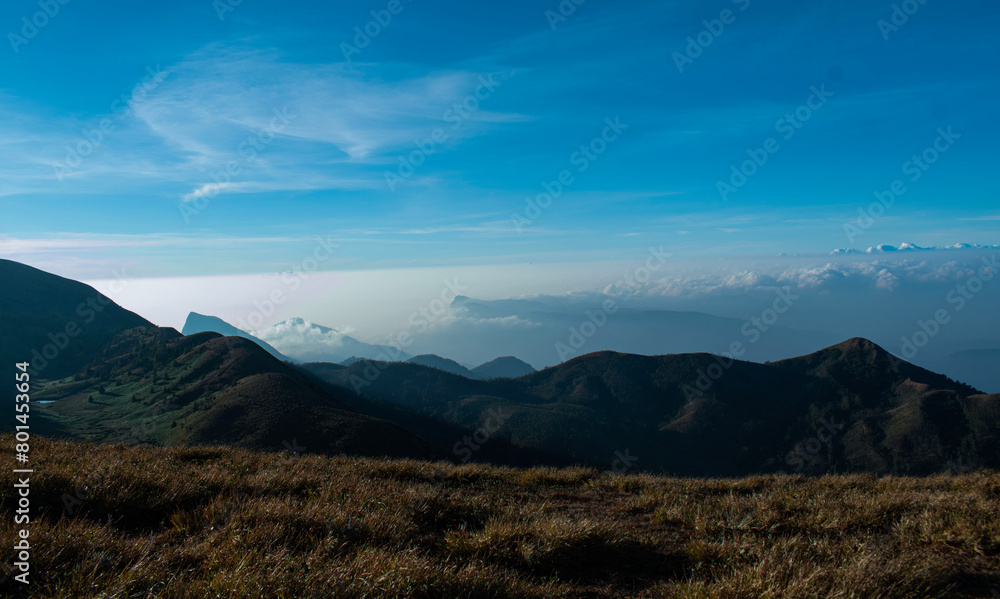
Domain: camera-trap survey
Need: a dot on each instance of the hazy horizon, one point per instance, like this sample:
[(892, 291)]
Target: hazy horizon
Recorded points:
[(882, 296)]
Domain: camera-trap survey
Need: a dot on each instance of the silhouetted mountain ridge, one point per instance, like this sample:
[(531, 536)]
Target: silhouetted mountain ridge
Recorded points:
[(505, 367), (700, 414), (445, 364), (55, 323)]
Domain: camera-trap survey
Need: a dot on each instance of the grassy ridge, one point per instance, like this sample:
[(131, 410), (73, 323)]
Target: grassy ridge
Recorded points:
[(211, 522), (155, 387), (704, 415)]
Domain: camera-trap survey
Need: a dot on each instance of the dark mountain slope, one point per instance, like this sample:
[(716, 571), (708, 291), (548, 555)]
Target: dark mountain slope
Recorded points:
[(850, 407), (445, 364), (154, 386), (505, 367), (862, 366), (54, 323)]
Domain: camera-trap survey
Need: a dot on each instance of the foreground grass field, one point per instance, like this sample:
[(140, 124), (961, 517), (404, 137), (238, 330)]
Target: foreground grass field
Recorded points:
[(115, 521)]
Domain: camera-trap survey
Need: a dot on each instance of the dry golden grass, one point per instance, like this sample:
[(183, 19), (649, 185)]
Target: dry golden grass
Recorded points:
[(206, 522)]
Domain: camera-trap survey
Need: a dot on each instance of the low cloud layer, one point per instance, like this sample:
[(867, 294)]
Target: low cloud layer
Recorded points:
[(308, 342), (924, 306)]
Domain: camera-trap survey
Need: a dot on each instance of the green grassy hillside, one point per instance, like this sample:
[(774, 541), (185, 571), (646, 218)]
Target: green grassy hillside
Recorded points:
[(153, 386)]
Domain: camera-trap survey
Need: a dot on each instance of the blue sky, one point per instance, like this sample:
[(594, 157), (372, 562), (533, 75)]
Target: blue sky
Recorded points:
[(147, 195)]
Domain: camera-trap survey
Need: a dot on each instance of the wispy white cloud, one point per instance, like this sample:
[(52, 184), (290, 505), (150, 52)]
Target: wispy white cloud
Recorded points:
[(985, 217), (283, 127), (60, 242)]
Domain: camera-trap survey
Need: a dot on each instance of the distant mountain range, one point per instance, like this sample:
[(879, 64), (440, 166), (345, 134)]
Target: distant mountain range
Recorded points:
[(546, 335), (505, 367), (851, 407), (305, 341), (319, 338)]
